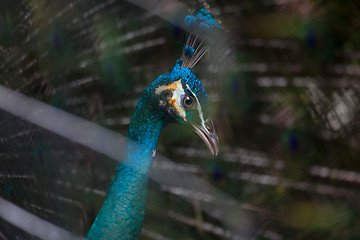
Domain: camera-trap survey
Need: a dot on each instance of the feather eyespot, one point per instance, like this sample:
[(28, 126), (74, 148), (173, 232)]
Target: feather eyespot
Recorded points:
[(188, 102)]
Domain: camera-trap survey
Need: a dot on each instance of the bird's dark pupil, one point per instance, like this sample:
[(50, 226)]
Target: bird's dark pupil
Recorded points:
[(188, 101)]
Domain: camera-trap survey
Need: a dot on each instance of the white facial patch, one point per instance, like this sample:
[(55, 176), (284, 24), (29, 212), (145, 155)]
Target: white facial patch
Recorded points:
[(198, 107), (175, 101)]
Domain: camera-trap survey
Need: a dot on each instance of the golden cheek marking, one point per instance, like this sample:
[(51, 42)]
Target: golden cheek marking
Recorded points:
[(170, 87), (175, 101), (172, 102)]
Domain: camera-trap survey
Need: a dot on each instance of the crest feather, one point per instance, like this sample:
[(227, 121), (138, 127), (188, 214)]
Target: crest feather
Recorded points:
[(200, 26)]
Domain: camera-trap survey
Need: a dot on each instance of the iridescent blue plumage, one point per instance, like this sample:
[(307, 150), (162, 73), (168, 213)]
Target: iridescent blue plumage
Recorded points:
[(174, 96), (201, 20), (200, 26), (189, 51), (123, 210)]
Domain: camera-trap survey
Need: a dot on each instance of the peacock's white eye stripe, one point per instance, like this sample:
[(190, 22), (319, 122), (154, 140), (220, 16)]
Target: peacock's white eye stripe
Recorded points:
[(176, 99), (198, 106)]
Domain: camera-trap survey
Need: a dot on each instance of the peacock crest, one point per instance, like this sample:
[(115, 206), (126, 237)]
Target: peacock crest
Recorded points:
[(177, 96), (200, 26)]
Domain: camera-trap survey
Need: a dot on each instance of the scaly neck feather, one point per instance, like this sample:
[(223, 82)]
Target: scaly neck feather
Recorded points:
[(122, 213)]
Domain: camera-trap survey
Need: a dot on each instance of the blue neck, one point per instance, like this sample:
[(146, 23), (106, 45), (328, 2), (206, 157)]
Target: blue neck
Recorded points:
[(143, 135), (122, 213)]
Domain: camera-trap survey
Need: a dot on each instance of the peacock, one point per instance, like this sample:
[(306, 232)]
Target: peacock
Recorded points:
[(284, 94), (176, 96)]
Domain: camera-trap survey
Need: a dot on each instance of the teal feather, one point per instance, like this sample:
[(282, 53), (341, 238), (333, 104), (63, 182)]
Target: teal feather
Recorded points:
[(122, 213), (123, 210)]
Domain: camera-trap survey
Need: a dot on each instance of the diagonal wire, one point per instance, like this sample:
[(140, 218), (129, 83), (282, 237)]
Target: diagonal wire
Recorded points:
[(112, 144), (32, 224)]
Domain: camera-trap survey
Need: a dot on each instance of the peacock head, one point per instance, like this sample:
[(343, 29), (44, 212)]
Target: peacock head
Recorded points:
[(181, 97)]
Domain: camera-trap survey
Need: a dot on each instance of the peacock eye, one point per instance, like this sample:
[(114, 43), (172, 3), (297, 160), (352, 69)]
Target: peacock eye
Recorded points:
[(166, 95), (188, 102)]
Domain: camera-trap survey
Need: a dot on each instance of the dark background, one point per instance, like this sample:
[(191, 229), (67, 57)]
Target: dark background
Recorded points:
[(283, 83)]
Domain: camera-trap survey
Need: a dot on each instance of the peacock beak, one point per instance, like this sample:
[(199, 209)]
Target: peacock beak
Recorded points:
[(208, 135)]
